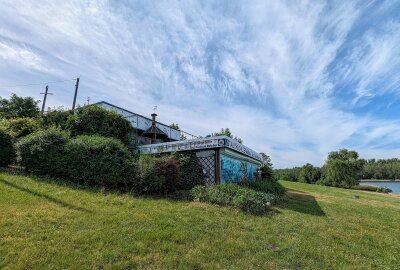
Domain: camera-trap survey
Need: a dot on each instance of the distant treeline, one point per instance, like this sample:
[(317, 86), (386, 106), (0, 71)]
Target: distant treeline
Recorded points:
[(381, 169), (385, 169)]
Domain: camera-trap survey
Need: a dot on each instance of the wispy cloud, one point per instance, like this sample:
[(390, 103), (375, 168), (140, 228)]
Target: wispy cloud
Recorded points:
[(284, 76)]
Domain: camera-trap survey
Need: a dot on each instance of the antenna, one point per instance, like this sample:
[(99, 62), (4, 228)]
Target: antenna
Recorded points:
[(154, 109)]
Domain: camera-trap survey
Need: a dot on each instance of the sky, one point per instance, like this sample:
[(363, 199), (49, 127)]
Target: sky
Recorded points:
[(293, 79)]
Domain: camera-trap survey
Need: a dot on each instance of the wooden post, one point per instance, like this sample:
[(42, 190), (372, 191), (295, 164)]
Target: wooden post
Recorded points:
[(76, 93)]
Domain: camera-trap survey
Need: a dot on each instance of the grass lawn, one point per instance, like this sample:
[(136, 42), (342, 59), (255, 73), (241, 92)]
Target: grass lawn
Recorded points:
[(50, 225)]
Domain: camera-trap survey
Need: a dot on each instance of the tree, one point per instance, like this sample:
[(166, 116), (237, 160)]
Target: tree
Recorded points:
[(267, 171), (226, 132), (174, 126), (309, 174), (342, 169), (18, 107)]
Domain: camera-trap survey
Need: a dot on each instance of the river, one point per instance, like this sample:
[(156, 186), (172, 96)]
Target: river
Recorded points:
[(394, 186)]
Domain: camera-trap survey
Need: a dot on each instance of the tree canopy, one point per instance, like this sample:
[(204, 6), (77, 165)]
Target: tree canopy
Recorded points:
[(225, 132), (18, 107)]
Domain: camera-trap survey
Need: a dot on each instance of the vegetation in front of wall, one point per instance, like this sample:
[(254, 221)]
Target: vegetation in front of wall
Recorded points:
[(168, 173), (245, 199), (7, 152)]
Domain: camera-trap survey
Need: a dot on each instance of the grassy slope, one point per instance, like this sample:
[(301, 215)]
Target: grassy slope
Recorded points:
[(44, 225)]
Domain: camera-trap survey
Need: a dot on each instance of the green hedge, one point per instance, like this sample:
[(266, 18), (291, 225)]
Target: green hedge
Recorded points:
[(19, 127), (43, 152), (245, 199), (99, 161), (93, 120), (7, 151), (90, 160)]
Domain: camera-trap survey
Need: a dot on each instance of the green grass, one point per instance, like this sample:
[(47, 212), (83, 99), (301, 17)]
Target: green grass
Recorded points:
[(50, 225)]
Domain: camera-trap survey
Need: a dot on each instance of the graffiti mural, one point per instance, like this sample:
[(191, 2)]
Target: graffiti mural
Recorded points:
[(236, 170)]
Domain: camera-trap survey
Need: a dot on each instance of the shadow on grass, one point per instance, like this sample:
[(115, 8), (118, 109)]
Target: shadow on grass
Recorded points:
[(300, 202), (44, 196)]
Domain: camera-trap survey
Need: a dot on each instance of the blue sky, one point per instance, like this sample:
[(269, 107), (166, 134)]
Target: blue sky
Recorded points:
[(294, 79)]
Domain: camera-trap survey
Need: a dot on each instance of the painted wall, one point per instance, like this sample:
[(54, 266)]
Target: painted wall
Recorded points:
[(236, 170)]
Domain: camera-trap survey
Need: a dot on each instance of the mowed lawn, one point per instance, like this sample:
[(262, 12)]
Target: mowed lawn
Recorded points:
[(50, 225)]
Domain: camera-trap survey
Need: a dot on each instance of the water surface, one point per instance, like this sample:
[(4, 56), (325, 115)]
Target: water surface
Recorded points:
[(394, 186)]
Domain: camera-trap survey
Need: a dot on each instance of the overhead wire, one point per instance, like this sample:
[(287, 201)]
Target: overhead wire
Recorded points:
[(33, 84)]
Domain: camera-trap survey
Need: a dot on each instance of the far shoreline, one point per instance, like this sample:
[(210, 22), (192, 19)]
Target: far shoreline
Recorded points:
[(379, 180)]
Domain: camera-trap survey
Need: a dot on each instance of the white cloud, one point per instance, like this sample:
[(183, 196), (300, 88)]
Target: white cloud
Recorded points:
[(261, 69)]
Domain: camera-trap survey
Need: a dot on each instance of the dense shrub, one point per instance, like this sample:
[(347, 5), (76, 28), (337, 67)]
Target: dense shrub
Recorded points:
[(151, 180), (99, 161), (58, 118), (93, 120), (252, 202), (43, 152), (190, 171), (20, 127), (272, 187), (7, 151), (245, 199)]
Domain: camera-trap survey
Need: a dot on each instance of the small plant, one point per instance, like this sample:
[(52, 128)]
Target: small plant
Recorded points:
[(383, 190)]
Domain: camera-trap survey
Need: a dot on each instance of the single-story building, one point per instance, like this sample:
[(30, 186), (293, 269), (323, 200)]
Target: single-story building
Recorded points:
[(223, 159)]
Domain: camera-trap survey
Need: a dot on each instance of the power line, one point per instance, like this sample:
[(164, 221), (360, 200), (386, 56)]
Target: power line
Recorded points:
[(32, 84)]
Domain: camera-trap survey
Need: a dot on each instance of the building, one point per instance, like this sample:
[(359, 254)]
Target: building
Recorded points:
[(223, 159)]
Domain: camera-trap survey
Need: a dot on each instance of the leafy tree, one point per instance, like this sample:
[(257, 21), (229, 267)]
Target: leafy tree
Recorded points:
[(309, 174), (174, 126), (18, 107), (342, 169), (289, 174), (267, 171), (225, 132)]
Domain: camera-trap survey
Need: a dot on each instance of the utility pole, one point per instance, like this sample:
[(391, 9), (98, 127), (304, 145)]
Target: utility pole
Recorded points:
[(76, 93), (45, 97)]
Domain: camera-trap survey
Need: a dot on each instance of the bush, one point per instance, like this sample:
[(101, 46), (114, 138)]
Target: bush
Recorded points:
[(190, 171), (99, 161), (252, 202), (93, 120), (150, 180), (245, 199), (7, 151), (272, 187), (43, 152), (59, 119), (383, 190), (20, 127)]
